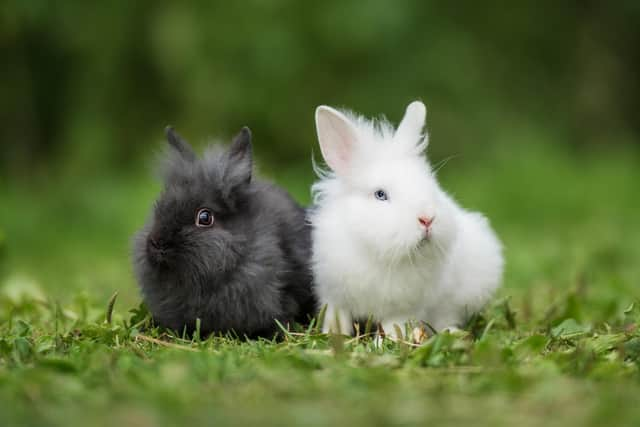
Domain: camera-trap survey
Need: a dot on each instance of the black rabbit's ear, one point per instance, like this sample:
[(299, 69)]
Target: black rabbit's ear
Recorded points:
[(179, 144), (240, 157), (241, 146)]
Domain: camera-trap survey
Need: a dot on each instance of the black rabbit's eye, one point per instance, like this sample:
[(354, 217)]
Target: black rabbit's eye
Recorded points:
[(204, 218), (381, 195)]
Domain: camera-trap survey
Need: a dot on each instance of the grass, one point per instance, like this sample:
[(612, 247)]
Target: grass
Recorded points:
[(559, 345)]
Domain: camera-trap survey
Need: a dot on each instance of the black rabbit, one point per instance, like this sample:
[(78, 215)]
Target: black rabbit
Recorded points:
[(223, 247)]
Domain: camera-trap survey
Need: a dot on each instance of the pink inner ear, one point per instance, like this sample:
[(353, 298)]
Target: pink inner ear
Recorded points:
[(337, 138)]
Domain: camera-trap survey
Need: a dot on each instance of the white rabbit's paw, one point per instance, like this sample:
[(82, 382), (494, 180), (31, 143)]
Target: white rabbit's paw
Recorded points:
[(337, 321)]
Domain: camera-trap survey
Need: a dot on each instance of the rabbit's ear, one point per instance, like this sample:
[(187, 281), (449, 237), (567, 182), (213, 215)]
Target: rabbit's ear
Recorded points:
[(410, 128), (337, 136), (240, 157), (179, 144)]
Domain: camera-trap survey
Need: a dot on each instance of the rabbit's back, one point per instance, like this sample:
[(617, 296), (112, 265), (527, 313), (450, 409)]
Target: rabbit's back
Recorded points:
[(293, 234)]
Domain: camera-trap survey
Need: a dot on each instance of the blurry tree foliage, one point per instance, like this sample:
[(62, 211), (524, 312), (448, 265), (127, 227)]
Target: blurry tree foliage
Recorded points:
[(92, 84)]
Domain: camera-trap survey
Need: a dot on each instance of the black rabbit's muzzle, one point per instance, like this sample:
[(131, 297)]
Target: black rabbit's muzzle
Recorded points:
[(159, 250)]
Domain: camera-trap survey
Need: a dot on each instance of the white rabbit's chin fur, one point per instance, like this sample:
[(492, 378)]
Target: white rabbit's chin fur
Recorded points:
[(372, 256)]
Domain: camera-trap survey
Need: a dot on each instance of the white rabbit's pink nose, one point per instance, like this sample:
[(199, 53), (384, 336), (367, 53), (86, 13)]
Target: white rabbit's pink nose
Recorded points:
[(425, 222)]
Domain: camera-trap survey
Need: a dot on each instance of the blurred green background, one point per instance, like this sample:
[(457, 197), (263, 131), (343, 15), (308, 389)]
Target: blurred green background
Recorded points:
[(535, 104)]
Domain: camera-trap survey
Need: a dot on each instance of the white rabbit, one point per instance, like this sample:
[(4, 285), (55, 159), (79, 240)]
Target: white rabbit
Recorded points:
[(388, 242)]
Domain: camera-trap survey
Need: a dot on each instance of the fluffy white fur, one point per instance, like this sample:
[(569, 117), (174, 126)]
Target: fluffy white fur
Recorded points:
[(373, 257)]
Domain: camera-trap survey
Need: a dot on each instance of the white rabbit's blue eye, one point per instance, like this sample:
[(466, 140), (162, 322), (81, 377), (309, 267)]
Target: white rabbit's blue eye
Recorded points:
[(204, 218), (381, 195)]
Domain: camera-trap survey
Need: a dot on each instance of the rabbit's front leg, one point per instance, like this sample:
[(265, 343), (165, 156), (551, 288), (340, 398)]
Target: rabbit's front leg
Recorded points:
[(337, 321), (389, 330)]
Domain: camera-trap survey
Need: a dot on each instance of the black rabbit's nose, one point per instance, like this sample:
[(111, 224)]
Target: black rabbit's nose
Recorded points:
[(157, 250), (156, 243)]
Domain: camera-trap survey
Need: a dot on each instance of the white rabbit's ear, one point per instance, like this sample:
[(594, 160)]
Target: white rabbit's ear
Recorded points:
[(410, 128), (337, 137)]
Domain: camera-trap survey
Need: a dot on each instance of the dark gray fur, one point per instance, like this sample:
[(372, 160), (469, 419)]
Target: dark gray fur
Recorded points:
[(250, 268)]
